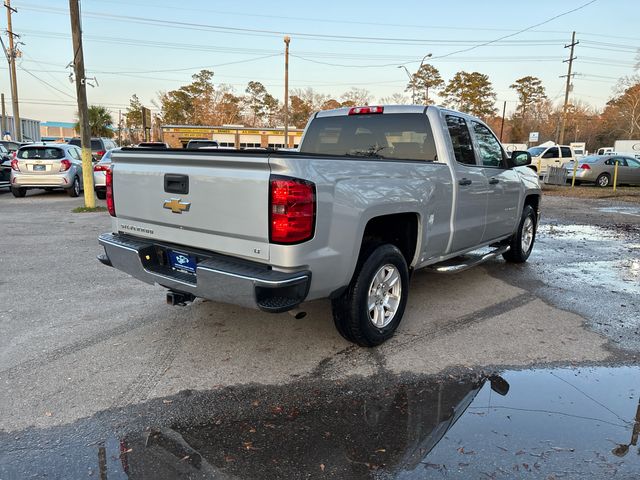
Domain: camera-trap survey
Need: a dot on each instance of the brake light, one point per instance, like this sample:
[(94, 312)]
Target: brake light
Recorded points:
[(100, 153), (14, 165), (585, 166), (65, 165), (100, 168), (292, 207), (111, 206), (14, 155), (365, 110)]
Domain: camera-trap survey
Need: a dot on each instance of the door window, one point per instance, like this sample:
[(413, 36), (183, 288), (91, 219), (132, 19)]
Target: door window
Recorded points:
[(633, 163), (551, 153), (74, 154), (490, 148), (566, 152), (461, 140)]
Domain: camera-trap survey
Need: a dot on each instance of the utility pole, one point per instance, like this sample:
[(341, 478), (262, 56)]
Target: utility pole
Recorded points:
[(568, 87), (411, 82), (4, 117), (287, 40), (83, 107), (119, 127), (504, 109), (11, 56)]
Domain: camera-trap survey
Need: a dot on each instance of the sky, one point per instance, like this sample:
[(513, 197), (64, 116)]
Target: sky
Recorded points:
[(146, 46)]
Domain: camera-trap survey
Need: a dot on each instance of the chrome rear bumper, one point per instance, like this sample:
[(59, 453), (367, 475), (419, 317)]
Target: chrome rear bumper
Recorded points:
[(218, 277)]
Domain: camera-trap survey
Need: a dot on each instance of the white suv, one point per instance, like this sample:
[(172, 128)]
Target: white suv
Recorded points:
[(543, 157)]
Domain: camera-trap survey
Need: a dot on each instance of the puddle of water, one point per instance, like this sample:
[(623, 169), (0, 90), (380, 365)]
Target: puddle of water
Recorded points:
[(559, 423), (577, 232), (618, 276), (633, 211)]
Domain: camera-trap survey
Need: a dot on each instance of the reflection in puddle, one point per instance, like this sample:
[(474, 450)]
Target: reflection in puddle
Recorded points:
[(541, 423), (623, 275), (634, 211)]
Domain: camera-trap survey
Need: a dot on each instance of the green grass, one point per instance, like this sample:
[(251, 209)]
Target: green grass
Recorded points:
[(89, 210)]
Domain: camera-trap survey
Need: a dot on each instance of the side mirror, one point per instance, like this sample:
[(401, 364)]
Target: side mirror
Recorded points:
[(519, 159), (499, 385)]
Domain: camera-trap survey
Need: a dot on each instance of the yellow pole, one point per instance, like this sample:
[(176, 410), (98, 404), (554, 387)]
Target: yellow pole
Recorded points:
[(87, 178), (539, 165), (575, 169), (615, 176)]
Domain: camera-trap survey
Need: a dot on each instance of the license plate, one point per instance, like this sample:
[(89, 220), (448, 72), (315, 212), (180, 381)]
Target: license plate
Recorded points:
[(181, 261), (39, 168)]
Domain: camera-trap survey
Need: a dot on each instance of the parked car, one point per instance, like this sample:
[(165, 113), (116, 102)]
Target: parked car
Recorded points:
[(152, 145), (99, 145), (550, 156), (373, 194), (100, 174), (202, 143), (599, 169), (5, 167), (10, 145), (47, 166)]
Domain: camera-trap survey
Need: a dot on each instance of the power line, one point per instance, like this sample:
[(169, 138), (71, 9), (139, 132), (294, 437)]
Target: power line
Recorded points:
[(45, 82)]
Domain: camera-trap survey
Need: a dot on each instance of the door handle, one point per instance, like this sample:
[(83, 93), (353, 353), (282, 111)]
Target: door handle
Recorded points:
[(464, 181), (493, 181)]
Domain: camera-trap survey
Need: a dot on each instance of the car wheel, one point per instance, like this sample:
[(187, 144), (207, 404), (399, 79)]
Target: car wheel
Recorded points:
[(101, 194), (74, 191), (521, 242), (603, 180), (369, 311), (18, 192)]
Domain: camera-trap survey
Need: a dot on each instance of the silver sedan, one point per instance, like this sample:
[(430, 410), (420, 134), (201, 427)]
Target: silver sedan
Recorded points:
[(599, 169), (100, 174)]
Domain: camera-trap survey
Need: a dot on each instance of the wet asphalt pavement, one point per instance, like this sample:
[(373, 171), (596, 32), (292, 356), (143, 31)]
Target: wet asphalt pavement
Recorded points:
[(535, 375)]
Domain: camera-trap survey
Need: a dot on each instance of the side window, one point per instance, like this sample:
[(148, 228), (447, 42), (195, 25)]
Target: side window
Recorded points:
[(74, 154), (490, 148), (566, 152), (633, 163), (551, 153), (461, 140)]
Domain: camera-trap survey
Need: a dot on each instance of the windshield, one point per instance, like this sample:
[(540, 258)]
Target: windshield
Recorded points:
[(42, 153), (404, 136), (536, 151)]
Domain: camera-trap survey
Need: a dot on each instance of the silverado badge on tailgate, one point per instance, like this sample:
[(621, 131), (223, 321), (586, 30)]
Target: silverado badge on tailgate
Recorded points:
[(176, 205)]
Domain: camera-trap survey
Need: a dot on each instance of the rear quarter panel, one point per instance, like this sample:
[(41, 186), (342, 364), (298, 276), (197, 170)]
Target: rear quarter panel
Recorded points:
[(349, 194)]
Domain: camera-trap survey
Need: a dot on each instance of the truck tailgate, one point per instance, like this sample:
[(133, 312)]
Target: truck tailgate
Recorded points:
[(223, 209)]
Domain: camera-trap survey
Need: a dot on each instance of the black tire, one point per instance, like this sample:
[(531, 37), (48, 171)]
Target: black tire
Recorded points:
[(18, 192), (101, 194), (603, 180), (351, 310), (518, 253), (74, 191)]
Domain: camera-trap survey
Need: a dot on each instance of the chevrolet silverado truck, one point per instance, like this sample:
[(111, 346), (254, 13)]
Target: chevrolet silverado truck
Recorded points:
[(373, 194)]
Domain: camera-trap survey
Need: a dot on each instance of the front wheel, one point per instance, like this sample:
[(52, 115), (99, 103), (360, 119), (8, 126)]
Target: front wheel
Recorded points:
[(370, 310), (74, 191), (521, 242)]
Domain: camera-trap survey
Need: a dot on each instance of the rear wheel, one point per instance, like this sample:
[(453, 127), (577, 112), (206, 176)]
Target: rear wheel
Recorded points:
[(18, 192), (369, 311), (101, 194), (74, 191), (522, 241), (603, 180)]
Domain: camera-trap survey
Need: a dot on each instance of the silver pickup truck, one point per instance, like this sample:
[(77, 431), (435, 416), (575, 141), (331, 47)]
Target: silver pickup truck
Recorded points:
[(373, 194)]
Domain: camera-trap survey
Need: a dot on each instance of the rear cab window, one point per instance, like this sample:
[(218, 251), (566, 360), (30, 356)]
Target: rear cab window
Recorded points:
[(461, 140), (40, 153), (566, 152), (397, 136)]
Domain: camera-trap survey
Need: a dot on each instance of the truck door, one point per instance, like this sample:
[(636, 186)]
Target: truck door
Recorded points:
[(504, 187), (470, 188)]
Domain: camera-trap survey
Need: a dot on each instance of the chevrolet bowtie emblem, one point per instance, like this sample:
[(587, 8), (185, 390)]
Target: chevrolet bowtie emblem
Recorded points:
[(176, 205)]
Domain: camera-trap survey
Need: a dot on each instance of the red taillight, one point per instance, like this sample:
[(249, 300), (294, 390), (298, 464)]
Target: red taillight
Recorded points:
[(65, 165), (100, 168), (14, 155), (100, 153), (585, 166), (14, 165), (292, 206), (365, 110), (111, 206)]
